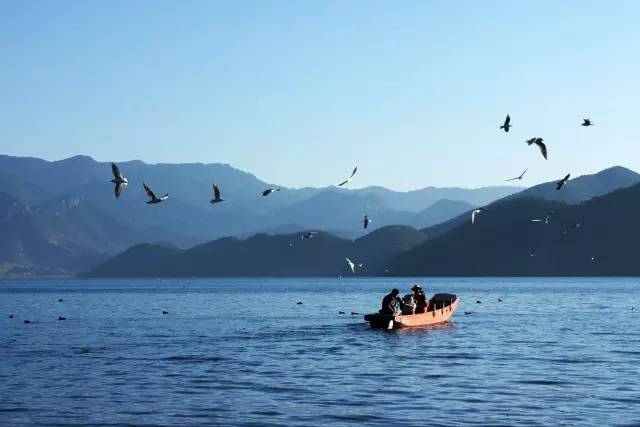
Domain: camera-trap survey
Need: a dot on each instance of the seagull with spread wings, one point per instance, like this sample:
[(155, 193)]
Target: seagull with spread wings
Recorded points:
[(152, 196), (119, 180), (348, 180), (540, 143), (216, 195), (476, 212), (507, 124), (562, 182), (308, 235), (268, 191), (518, 177), (351, 265)]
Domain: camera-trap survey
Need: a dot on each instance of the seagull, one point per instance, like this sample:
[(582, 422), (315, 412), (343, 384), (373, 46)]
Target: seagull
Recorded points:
[(216, 195), (268, 191), (119, 180), (587, 122), (507, 124), (572, 226), (540, 143), (308, 235), (152, 196), (562, 182), (348, 180), (518, 177), (351, 265), (545, 220), (366, 221), (476, 212)]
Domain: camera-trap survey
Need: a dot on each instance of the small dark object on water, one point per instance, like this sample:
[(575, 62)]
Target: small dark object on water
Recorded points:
[(62, 318), (11, 316), (499, 300), (341, 312), (353, 313), (60, 300), (467, 313), (478, 302), (165, 312), (299, 303), (27, 321)]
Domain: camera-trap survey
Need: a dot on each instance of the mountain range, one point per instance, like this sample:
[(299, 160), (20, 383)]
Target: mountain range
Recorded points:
[(61, 217), (590, 230)]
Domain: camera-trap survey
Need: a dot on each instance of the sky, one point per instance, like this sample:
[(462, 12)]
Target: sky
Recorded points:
[(299, 92)]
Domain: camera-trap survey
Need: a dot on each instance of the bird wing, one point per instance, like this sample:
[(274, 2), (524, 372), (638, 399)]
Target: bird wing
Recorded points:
[(351, 264), (536, 220), (216, 192), (543, 148), (354, 172), (118, 189), (116, 171), (344, 182), (566, 178), (525, 171), (149, 192), (507, 121), (473, 216), (512, 179)]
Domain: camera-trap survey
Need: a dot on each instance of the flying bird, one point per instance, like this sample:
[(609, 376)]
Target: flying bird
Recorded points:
[(476, 212), (587, 122), (268, 191), (351, 265), (216, 195), (562, 182), (572, 226), (366, 221), (507, 124), (308, 235), (348, 180), (152, 196), (119, 180), (540, 143), (545, 220), (518, 177)]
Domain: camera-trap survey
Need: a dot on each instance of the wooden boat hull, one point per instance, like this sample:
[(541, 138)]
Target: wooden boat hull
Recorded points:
[(439, 314)]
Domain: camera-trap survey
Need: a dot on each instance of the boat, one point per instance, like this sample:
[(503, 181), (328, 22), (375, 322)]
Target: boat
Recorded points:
[(439, 310)]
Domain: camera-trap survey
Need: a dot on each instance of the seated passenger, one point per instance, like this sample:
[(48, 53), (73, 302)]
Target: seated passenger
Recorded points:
[(408, 304), (390, 302), (420, 299)]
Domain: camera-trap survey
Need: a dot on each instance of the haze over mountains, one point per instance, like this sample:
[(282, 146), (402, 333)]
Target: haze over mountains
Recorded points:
[(503, 241), (61, 216)]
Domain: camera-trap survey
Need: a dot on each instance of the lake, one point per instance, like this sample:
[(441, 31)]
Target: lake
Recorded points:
[(243, 352)]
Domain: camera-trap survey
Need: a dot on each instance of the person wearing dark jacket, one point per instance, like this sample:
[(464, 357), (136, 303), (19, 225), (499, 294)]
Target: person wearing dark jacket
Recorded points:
[(390, 301), (420, 299)]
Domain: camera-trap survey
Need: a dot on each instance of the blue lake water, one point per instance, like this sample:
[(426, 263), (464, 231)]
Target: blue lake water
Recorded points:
[(242, 352)]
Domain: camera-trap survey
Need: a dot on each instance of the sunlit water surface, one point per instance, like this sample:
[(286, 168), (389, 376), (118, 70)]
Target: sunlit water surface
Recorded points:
[(242, 352)]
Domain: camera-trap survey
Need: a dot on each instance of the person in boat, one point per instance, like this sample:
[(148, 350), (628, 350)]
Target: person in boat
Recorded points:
[(420, 299), (408, 304), (390, 302)]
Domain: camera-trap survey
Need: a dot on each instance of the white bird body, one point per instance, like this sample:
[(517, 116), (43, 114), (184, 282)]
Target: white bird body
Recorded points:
[(476, 212), (119, 180), (351, 265), (152, 196)]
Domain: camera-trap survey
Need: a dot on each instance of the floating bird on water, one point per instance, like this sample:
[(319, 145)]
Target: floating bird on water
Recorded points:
[(478, 302), (562, 182), (572, 226), (507, 124), (165, 312), (341, 312), (27, 321), (540, 143), (299, 303), (11, 316), (348, 180), (309, 235), (60, 300), (366, 221), (216, 195), (62, 318), (587, 122), (476, 212), (351, 265), (118, 179), (268, 191), (152, 196), (518, 177)]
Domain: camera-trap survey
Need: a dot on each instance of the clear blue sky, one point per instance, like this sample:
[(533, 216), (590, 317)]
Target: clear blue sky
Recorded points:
[(298, 92)]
